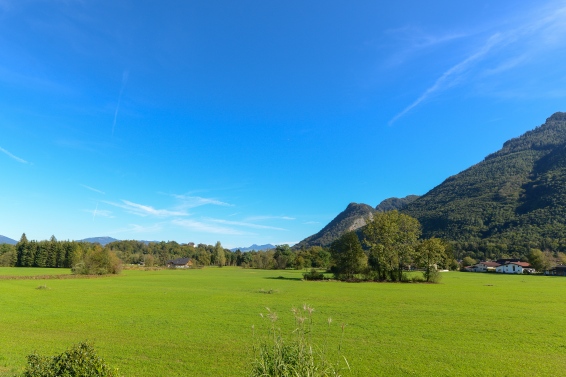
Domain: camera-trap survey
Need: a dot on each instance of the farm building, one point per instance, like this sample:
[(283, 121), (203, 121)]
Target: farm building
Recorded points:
[(559, 270), (486, 267), (516, 268), (180, 263)]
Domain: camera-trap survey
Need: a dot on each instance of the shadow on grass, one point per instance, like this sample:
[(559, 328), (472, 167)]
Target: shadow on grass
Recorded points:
[(282, 278)]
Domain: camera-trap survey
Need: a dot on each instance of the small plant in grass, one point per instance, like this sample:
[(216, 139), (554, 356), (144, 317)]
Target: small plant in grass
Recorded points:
[(80, 360), (296, 355), (269, 291), (41, 287)]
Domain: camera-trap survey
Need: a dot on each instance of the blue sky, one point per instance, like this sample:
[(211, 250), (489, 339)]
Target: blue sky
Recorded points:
[(256, 121)]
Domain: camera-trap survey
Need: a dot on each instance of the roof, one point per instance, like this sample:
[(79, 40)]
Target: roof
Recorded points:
[(490, 264), (522, 264), (179, 261)]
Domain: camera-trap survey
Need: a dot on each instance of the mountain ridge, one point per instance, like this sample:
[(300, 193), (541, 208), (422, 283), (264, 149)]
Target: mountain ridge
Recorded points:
[(254, 247), (9, 241), (512, 200)]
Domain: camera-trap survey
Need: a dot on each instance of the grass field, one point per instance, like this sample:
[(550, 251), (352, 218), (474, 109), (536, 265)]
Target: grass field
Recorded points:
[(198, 322)]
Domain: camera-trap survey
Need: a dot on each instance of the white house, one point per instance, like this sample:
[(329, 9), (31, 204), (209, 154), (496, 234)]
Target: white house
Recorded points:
[(515, 268), (486, 266)]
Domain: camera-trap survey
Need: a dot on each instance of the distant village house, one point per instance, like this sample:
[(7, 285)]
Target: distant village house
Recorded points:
[(180, 263)]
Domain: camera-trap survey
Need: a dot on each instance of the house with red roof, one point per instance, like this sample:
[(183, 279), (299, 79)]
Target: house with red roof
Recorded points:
[(515, 268)]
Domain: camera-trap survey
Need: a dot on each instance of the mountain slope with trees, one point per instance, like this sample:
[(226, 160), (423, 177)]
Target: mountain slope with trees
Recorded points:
[(392, 204), (514, 200), (352, 218)]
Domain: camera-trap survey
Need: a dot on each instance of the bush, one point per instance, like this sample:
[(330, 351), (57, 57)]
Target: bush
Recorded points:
[(78, 361), (276, 356), (433, 275), (98, 261), (313, 275), (417, 279)]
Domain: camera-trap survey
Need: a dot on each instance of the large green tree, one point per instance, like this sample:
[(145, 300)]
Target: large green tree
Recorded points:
[(219, 255), (348, 256), (391, 238)]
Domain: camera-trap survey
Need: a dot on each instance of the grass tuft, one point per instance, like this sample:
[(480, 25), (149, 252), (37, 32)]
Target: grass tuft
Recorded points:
[(296, 355)]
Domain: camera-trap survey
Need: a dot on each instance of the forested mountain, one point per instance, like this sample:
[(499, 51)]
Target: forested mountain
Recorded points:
[(513, 200), (7, 240), (352, 218), (395, 203)]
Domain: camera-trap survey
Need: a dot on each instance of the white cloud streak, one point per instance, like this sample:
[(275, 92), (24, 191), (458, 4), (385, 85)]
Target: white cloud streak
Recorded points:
[(20, 160), (100, 213), (448, 78), (197, 201), (545, 28), (244, 224), (263, 218), (135, 228), (144, 210), (199, 226), (93, 189), (125, 75)]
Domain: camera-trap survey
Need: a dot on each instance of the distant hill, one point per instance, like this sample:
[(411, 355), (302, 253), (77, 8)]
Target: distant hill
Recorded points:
[(101, 240), (395, 203), (515, 197), (254, 247), (352, 218), (7, 240)]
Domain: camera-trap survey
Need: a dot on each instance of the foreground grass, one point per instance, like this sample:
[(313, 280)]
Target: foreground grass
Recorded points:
[(198, 322)]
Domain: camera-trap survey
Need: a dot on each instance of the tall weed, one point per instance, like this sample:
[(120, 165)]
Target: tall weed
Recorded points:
[(296, 355)]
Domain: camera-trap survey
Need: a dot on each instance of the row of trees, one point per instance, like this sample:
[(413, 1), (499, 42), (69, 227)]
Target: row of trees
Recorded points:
[(67, 254), (392, 246), (390, 241)]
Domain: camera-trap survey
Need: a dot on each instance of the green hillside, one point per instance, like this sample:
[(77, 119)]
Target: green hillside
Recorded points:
[(512, 200), (352, 218)]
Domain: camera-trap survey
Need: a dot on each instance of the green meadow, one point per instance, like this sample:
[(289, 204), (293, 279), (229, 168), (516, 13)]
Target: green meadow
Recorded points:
[(199, 322)]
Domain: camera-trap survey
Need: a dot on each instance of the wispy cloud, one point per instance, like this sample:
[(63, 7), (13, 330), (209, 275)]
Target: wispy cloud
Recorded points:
[(145, 210), (244, 224), (100, 213), (545, 28), (311, 222), (125, 75), (135, 228), (187, 201), (199, 226), (20, 160), (263, 218), (92, 189)]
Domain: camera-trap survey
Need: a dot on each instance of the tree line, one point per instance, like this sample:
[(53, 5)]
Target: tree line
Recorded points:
[(67, 254), (385, 248)]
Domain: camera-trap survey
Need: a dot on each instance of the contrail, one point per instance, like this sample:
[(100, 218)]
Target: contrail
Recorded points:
[(94, 213), (21, 160), (124, 81)]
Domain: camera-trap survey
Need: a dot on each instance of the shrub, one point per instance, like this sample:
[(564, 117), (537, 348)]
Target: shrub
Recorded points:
[(417, 279), (313, 275), (432, 276), (98, 261), (276, 356), (78, 361)]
